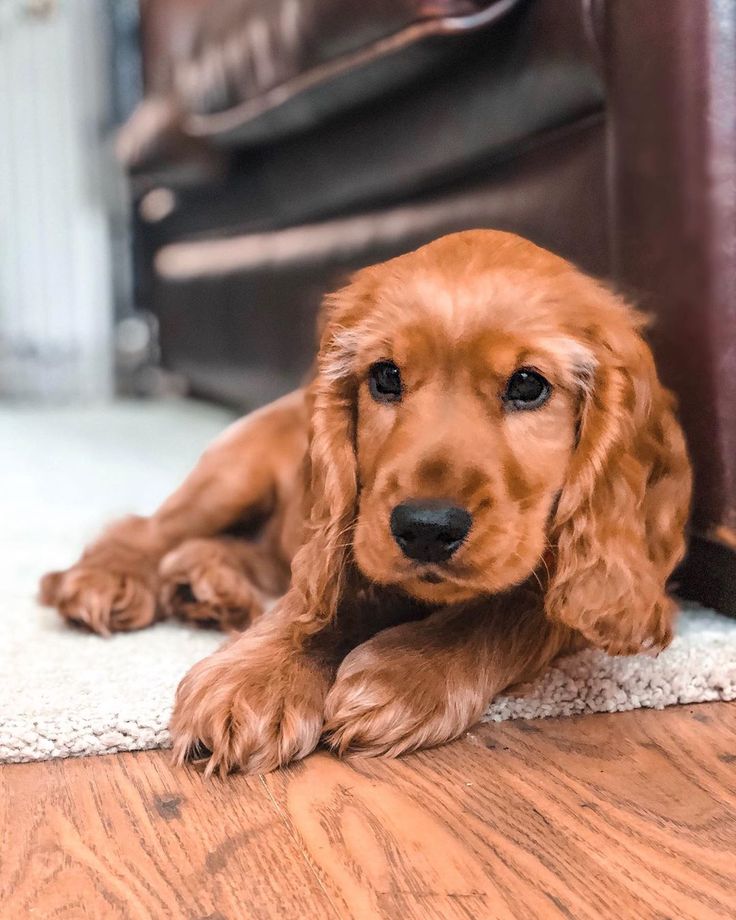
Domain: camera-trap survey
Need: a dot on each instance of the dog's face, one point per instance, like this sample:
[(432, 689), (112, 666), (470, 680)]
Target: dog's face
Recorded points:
[(483, 412), (467, 404)]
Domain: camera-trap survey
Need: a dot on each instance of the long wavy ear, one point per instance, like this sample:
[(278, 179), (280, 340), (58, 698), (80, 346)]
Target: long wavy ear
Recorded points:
[(620, 521), (331, 471)]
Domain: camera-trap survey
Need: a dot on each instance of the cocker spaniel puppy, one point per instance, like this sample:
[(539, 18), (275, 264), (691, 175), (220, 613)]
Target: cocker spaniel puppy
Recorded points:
[(483, 473)]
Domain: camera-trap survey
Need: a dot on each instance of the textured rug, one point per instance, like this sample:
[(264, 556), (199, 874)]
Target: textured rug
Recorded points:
[(65, 693)]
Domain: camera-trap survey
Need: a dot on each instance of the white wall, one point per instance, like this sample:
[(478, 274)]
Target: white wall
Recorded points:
[(55, 284)]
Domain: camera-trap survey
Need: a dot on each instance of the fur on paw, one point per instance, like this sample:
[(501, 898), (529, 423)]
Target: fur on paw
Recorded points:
[(201, 581), (251, 706), (101, 599), (389, 701)]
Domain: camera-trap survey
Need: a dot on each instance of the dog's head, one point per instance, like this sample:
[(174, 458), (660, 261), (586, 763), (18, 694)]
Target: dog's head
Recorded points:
[(483, 412)]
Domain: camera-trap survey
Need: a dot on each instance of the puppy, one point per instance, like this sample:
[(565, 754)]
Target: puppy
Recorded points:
[(483, 473)]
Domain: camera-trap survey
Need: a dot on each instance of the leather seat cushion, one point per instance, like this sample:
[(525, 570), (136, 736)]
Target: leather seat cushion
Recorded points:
[(248, 70)]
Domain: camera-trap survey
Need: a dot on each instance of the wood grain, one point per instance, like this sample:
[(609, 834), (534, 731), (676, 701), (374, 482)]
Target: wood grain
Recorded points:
[(631, 815), (126, 836), (628, 815)]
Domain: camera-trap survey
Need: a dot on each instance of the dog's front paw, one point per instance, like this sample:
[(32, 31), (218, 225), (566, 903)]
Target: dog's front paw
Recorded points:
[(251, 706), (102, 599), (390, 700)]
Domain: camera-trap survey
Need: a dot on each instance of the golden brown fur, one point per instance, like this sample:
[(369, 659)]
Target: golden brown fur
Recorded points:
[(578, 514)]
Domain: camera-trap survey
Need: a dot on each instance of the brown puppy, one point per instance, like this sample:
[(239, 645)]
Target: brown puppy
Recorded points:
[(485, 471)]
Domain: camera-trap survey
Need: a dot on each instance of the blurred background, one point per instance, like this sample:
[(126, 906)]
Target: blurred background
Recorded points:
[(182, 180)]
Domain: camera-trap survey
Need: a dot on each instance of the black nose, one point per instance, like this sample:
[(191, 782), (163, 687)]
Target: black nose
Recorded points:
[(429, 531)]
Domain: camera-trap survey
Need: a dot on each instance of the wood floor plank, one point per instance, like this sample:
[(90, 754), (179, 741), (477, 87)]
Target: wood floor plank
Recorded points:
[(629, 816), (128, 837)]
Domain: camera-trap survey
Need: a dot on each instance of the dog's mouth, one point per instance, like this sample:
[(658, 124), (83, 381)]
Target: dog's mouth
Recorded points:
[(436, 584), (435, 573), (439, 574)]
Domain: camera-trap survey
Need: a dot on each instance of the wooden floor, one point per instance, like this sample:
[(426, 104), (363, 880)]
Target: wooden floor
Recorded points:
[(622, 816)]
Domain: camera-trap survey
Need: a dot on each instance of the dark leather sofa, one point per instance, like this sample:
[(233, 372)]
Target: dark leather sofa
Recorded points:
[(283, 143)]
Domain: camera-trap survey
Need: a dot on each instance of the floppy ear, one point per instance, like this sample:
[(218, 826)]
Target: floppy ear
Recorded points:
[(620, 520), (331, 470)]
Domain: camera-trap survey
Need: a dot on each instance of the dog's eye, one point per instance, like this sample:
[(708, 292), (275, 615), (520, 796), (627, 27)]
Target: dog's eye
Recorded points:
[(385, 381), (526, 389)]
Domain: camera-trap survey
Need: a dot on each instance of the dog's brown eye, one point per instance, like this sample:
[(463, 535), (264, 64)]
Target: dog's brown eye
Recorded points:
[(526, 389), (385, 381)]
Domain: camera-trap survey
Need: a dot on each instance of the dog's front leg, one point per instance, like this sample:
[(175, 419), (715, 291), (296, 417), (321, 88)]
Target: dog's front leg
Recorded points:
[(257, 703), (423, 683)]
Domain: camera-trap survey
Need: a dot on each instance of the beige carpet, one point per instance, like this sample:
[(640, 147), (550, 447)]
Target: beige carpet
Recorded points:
[(66, 693)]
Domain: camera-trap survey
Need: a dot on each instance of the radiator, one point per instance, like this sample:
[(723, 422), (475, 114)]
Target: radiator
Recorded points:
[(55, 272)]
